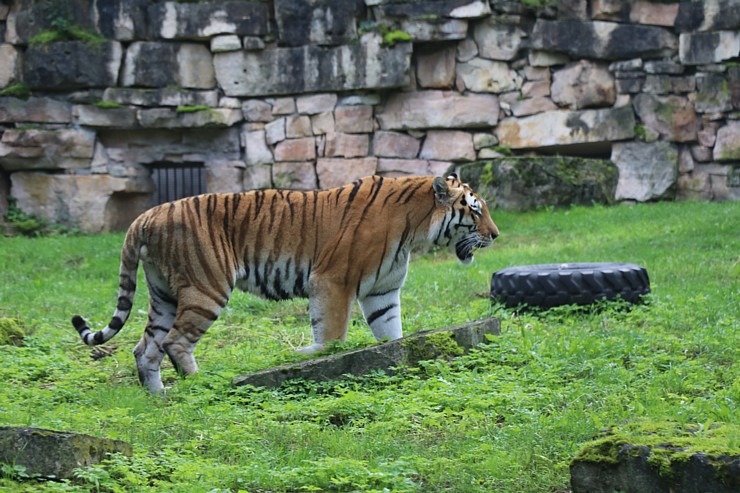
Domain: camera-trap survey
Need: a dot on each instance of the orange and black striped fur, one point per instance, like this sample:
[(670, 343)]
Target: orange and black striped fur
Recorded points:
[(333, 246)]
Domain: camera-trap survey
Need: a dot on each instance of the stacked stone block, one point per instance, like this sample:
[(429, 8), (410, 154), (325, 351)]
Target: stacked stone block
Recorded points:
[(315, 93)]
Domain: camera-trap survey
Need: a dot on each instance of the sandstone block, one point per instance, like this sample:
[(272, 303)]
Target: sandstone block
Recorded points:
[(655, 13), (435, 67), (66, 65), (92, 203), (583, 84), (673, 117), (466, 50), (366, 65), (256, 149), (319, 22), (647, 171), (294, 175), (160, 64), (298, 126), (283, 106), (556, 128), (275, 131), (435, 30), (255, 110), (36, 149), (202, 20), (708, 47), (498, 38), (225, 42), (448, 145), (714, 94), (316, 103), (165, 96), (394, 144), (172, 118), (480, 75), (337, 172), (532, 106), (403, 167), (602, 40), (34, 110), (727, 146), (354, 119), (323, 123), (92, 116), (346, 145), (303, 149), (536, 89), (438, 109), (8, 64), (256, 177), (225, 177), (54, 454), (543, 58), (708, 15)]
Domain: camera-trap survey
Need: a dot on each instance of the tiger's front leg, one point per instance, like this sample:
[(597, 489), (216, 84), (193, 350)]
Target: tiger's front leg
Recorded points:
[(383, 314), (329, 306)]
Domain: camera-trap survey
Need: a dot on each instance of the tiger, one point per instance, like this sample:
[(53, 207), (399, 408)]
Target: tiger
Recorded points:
[(332, 246)]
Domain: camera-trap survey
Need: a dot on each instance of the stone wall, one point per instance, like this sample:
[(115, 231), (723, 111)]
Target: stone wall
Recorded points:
[(315, 93)]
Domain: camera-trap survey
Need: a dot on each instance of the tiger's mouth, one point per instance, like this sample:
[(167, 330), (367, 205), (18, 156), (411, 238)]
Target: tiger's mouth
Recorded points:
[(465, 248)]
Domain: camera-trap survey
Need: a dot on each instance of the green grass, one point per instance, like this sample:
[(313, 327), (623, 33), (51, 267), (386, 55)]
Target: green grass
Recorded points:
[(508, 417)]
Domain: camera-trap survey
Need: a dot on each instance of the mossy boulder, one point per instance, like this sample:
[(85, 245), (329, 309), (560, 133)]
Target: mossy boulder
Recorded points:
[(12, 331), (532, 182), (54, 454), (659, 457)]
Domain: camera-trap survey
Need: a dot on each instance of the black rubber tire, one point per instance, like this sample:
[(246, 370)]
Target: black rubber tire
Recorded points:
[(549, 285)]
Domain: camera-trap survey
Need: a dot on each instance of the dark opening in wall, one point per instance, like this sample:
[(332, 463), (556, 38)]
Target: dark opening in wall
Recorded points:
[(174, 181)]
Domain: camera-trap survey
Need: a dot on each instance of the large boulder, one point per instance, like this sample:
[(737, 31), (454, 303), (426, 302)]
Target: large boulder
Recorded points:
[(52, 454), (68, 65), (34, 110), (647, 171), (39, 149), (532, 182), (672, 117), (160, 64), (583, 84), (310, 68)]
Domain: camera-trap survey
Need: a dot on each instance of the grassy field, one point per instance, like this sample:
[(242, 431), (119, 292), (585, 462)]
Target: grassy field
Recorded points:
[(508, 417)]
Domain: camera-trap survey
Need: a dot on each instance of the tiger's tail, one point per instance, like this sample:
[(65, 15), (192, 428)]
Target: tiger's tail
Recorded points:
[(126, 289)]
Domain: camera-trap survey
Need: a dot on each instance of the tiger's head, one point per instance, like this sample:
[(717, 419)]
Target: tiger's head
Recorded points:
[(463, 221)]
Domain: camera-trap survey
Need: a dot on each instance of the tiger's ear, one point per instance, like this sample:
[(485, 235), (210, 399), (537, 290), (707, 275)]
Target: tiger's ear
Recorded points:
[(441, 190)]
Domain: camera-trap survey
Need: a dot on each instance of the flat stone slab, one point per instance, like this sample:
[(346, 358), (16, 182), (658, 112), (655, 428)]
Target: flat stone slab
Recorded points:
[(54, 454), (407, 351)]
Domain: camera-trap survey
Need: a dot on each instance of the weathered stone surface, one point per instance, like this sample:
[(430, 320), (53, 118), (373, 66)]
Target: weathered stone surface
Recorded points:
[(528, 183), (275, 131), (258, 176), (542, 58), (632, 464), (298, 126), (283, 106), (225, 177), (532, 106), (647, 171), (323, 123), (435, 67), (438, 109), (93, 116), (406, 167), (708, 47), (354, 119), (466, 50), (172, 118), (536, 88), (91, 203), (165, 96), (481, 75), (294, 175), (55, 454), (395, 144), (346, 145), (335, 172), (122, 20), (714, 94), (389, 357), (448, 145), (34, 110), (72, 65), (498, 38), (673, 117), (160, 64), (710, 182), (708, 15), (27, 18), (435, 30), (727, 146), (255, 110), (314, 68), (303, 149), (315, 103), (202, 20), (655, 13), (604, 40), (36, 149), (226, 42), (256, 149), (8, 64), (583, 84), (320, 22), (556, 128)]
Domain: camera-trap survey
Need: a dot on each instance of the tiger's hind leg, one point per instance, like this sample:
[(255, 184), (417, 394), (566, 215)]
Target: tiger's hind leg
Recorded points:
[(196, 312), (329, 305), (149, 352)]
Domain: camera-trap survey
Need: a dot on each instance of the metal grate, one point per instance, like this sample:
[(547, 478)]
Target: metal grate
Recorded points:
[(175, 181)]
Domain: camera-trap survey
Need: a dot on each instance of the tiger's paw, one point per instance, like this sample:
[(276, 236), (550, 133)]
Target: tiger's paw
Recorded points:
[(313, 348)]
